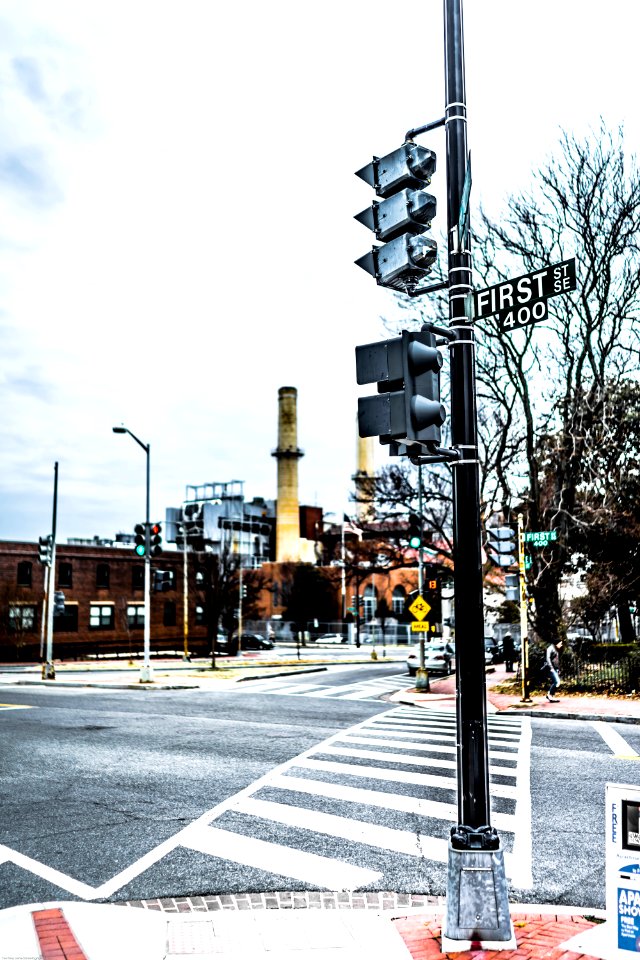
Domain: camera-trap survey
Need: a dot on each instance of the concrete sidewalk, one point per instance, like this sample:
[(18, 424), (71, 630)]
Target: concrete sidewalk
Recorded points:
[(442, 696), (208, 929)]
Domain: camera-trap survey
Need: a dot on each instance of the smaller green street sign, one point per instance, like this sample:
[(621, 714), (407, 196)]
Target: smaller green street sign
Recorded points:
[(527, 563), (540, 537)]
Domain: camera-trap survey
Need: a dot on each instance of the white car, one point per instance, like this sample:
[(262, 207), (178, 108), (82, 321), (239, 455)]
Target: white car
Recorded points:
[(330, 638), (438, 658)]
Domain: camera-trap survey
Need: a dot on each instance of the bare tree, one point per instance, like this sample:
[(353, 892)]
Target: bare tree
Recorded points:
[(549, 380)]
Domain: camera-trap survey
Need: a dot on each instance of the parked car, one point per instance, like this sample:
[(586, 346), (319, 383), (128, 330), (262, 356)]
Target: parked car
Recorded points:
[(222, 643), (254, 641), (492, 650), (330, 638), (438, 658)]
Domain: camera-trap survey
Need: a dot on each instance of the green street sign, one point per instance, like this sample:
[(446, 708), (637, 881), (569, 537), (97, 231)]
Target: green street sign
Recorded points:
[(540, 538), (527, 563)]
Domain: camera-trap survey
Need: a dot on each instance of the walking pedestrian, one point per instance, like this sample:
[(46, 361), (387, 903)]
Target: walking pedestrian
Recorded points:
[(553, 665), (507, 649)]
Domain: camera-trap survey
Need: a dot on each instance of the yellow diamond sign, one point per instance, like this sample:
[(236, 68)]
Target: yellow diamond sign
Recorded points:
[(419, 608)]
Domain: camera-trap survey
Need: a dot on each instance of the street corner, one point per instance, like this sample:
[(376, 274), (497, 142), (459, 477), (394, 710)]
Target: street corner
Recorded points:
[(84, 931)]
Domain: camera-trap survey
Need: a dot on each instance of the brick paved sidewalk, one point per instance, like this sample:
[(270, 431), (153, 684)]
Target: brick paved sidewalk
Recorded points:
[(537, 935)]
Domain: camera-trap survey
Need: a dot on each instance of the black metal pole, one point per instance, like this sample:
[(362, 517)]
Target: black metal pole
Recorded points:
[(473, 767)]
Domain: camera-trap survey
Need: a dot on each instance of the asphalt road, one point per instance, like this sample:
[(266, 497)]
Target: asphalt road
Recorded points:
[(294, 783)]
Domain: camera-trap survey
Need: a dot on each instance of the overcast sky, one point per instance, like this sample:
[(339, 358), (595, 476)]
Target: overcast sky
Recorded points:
[(177, 239)]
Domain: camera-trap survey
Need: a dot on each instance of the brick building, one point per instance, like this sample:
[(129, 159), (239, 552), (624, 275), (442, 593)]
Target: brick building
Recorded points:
[(103, 590)]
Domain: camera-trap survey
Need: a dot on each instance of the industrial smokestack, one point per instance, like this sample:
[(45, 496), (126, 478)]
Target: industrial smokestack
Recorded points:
[(363, 478), (287, 455)]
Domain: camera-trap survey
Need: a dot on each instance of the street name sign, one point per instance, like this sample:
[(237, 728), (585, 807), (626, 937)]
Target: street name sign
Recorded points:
[(523, 300), (540, 537)]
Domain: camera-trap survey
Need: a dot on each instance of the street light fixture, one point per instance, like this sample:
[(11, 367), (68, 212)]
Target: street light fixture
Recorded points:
[(146, 673)]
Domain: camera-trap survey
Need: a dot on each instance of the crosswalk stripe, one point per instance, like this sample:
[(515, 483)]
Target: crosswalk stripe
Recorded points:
[(279, 859), (419, 806), (430, 747), (16, 706), (400, 725), (414, 761), (387, 838), (397, 776), (381, 734), (616, 743)]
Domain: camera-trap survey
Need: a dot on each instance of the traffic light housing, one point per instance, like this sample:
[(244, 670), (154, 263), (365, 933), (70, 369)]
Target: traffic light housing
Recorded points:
[(502, 546), (407, 372), (415, 531), (155, 540), (58, 603), (44, 549), (401, 218), (512, 584), (140, 531)]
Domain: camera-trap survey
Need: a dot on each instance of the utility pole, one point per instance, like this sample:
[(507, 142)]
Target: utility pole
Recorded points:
[(48, 670), (477, 900), (422, 679), (185, 594), (524, 625)]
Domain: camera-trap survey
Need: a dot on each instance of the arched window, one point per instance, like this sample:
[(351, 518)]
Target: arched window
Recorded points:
[(398, 600), (370, 602)]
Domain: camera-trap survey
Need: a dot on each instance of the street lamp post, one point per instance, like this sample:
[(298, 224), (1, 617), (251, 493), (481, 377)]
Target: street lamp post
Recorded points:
[(146, 673)]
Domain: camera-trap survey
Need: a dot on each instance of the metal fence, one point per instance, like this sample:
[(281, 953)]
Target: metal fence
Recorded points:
[(622, 676)]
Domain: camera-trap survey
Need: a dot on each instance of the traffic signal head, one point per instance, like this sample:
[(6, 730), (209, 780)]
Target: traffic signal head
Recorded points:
[(421, 363), (58, 603), (44, 549), (141, 539), (407, 408), (415, 531), (502, 546), (404, 213), (512, 584), (155, 539)]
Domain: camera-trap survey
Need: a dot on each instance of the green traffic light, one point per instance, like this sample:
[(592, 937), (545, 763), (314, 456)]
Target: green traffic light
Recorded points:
[(414, 542), (140, 549)]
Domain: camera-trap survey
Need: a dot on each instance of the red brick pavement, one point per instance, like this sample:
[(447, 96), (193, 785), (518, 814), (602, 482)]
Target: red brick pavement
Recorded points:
[(537, 935), (55, 936)]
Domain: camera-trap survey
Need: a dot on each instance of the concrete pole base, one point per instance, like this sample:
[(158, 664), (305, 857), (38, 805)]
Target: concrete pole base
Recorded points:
[(146, 674), (422, 680), (48, 671), (477, 902)]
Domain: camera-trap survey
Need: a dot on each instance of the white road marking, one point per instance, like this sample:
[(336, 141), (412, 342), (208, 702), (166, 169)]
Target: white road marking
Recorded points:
[(617, 744), (16, 706), (397, 776), (284, 861), (418, 806), (358, 831), (426, 747), (70, 884), (413, 760), (522, 876)]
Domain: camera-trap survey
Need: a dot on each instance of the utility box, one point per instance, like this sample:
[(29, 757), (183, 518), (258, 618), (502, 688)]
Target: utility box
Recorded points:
[(623, 869)]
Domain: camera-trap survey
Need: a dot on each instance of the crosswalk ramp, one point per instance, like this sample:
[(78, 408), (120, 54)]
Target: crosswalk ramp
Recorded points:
[(357, 808), (371, 689)]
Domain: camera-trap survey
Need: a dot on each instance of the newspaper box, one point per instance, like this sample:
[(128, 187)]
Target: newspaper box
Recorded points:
[(623, 869)]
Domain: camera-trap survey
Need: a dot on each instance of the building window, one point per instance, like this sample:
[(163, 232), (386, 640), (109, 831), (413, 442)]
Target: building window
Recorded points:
[(102, 576), (67, 622), (135, 615), (24, 573), (199, 614), (370, 602), (169, 613), (101, 616), (398, 600), (65, 574), (22, 618), (137, 577)]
